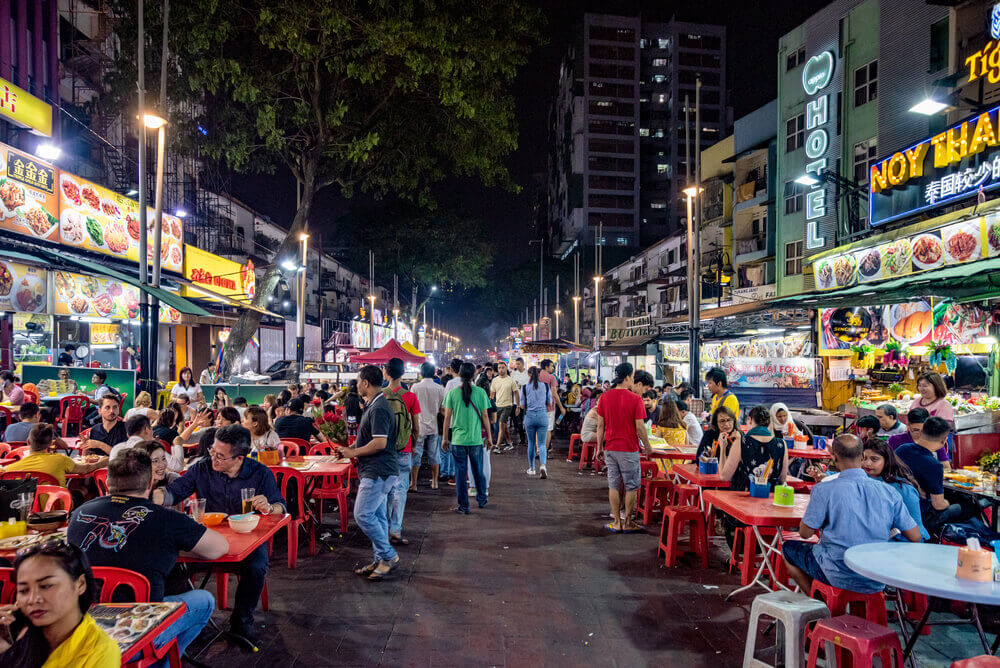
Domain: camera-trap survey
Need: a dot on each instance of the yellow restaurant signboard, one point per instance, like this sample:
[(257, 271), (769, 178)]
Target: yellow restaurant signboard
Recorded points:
[(25, 109), (90, 296), (216, 274)]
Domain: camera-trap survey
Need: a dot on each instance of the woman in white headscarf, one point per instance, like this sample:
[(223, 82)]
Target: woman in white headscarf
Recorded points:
[(782, 424)]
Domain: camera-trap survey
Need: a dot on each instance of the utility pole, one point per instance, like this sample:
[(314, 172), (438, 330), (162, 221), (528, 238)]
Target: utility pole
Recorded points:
[(145, 377), (371, 285), (696, 309)]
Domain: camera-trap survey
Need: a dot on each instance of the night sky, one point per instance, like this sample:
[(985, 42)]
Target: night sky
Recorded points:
[(753, 32)]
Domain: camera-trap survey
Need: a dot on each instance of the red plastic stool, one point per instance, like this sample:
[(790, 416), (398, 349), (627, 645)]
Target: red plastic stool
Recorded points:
[(653, 495), (685, 495), (744, 555), (573, 440), (673, 518), (860, 638), (984, 661), (587, 455), (839, 600)]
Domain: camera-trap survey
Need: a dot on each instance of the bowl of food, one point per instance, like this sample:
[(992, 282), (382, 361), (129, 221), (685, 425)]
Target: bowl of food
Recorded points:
[(212, 519), (244, 523), (48, 521)]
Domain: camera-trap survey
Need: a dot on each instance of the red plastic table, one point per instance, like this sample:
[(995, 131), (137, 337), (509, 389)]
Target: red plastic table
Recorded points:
[(673, 452), (809, 453), (133, 649), (242, 544), (758, 513), (691, 473)]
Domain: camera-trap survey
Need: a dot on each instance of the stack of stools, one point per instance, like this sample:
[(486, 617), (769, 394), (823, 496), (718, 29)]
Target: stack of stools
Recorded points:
[(794, 611)]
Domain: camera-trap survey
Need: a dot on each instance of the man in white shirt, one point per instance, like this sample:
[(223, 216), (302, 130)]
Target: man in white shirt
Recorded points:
[(430, 395), (520, 376), (139, 429), (694, 431)]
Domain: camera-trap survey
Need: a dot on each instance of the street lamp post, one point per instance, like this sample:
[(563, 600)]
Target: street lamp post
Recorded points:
[(558, 311), (300, 297), (395, 323), (597, 313), (694, 294), (576, 318), (152, 329)]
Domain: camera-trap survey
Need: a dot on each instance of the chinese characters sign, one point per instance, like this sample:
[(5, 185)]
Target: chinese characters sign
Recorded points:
[(25, 109), (28, 204), (957, 163)]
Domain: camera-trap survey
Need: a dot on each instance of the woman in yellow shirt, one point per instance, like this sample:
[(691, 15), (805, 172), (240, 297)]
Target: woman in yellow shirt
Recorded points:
[(49, 625)]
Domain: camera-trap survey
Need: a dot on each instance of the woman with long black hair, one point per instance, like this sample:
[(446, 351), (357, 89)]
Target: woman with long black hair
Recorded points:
[(536, 398), (465, 415)]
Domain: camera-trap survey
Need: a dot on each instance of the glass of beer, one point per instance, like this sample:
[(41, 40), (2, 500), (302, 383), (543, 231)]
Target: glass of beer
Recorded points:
[(246, 495)]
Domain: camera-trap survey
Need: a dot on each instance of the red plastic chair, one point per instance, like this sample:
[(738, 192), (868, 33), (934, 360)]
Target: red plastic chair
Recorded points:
[(322, 449), (573, 440), (31, 396), (293, 446), (6, 416), (42, 477), (53, 494), (100, 477), (71, 412), (8, 588), (284, 474), (654, 494), (110, 578), (4, 448), (331, 487), (18, 452), (588, 453)]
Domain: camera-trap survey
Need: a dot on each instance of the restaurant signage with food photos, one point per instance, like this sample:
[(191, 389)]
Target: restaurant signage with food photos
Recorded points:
[(763, 372), (912, 323), (952, 165), (83, 295), (28, 204), (964, 241), (101, 220), (22, 288)]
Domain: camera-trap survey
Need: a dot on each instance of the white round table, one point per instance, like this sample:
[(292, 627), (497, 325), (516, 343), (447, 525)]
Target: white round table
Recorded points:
[(926, 569)]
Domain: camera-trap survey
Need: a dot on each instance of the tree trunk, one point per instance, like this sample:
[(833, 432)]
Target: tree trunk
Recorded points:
[(249, 321)]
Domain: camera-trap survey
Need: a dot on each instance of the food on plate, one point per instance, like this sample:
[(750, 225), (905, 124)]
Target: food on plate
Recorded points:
[(114, 289), (896, 257), (64, 284), (70, 190), (133, 226), (29, 295), (824, 274), (175, 315), (871, 263), (994, 234), (120, 633), (844, 269), (104, 304), (110, 209), (927, 250), (965, 322), (912, 322), (175, 229), (131, 305), (79, 304), (11, 195), (164, 252), (91, 198), (36, 219), (6, 279), (89, 286), (962, 245), (94, 231), (72, 228), (175, 255), (116, 238)]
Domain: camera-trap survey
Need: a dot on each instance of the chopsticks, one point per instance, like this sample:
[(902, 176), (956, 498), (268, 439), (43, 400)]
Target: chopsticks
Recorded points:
[(767, 472)]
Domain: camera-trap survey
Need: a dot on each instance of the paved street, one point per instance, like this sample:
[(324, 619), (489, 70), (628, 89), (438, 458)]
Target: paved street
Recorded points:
[(531, 581)]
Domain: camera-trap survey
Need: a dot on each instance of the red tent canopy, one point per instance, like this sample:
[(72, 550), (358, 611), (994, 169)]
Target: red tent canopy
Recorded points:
[(386, 353)]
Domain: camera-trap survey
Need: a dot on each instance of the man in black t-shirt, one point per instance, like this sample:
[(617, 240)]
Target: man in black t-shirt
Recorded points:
[(378, 471), (127, 530), (108, 432), (294, 425)]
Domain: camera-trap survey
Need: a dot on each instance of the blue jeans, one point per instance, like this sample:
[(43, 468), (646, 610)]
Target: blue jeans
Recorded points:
[(473, 454), (799, 553), (370, 514), (200, 605), (397, 495), (536, 424), (252, 572), (447, 461)]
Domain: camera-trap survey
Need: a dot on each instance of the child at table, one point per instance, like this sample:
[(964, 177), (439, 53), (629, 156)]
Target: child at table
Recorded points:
[(850, 510)]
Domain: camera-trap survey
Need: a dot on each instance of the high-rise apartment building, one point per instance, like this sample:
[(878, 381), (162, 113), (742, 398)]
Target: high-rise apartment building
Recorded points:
[(617, 155)]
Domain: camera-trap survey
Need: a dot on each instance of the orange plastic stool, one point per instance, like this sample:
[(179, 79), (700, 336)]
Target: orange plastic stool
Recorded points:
[(685, 495), (653, 495), (839, 600), (673, 518), (984, 661), (860, 638), (573, 440), (587, 455)]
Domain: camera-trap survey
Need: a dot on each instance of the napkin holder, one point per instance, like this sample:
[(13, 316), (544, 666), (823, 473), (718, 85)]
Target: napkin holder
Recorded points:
[(269, 457), (708, 466), (784, 496), (760, 491), (975, 565)]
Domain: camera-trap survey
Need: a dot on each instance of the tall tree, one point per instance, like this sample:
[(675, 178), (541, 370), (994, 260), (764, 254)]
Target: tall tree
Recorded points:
[(381, 96)]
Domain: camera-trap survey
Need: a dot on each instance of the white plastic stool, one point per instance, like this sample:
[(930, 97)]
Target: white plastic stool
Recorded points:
[(793, 610)]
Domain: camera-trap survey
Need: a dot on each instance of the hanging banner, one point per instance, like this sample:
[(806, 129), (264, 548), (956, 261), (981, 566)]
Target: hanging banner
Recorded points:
[(767, 372), (83, 295), (22, 288), (913, 323), (28, 204)]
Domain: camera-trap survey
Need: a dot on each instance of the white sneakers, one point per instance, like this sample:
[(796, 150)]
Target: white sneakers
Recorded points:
[(530, 471), (544, 473)]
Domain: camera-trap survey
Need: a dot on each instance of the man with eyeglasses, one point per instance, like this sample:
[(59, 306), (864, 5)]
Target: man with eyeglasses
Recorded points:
[(219, 480)]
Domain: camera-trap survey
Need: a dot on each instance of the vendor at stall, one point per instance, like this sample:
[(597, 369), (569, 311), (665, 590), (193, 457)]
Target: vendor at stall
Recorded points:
[(934, 397)]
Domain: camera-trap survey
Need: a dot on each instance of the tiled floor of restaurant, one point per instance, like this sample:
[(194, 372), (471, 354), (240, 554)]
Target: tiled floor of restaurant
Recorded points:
[(532, 580)]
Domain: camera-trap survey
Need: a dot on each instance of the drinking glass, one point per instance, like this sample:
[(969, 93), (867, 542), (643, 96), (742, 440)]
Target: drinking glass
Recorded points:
[(24, 501), (246, 495), (197, 509)]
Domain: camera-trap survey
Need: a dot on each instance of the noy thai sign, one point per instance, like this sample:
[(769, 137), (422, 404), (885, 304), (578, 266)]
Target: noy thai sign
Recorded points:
[(958, 163)]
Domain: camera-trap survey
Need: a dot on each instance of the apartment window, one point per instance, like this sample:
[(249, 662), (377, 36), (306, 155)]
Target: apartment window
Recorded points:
[(793, 197), (866, 83), (663, 169), (659, 78), (658, 204), (939, 45), (643, 132), (612, 34), (795, 132), (671, 256), (793, 257), (622, 241), (795, 59), (659, 62), (864, 157)]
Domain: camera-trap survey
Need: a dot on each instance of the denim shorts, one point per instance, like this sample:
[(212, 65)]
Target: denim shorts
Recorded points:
[(433, 446), (799, 553), (623, 467)]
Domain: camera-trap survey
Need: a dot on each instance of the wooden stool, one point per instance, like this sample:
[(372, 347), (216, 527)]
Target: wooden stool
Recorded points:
[(573, 440), (839, 600), (654, 493), (862, 639), (794, 611), (673, 517)]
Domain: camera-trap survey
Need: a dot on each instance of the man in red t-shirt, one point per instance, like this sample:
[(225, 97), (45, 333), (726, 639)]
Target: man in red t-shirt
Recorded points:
[(621, 426), (547, 377), (397, 497)]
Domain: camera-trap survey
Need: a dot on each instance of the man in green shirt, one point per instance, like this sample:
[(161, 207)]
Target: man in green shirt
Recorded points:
[(465, 422)]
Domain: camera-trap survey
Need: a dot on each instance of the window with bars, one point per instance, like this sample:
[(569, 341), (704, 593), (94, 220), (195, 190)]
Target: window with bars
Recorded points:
[(866, 83), (795, 132), (794, 197)]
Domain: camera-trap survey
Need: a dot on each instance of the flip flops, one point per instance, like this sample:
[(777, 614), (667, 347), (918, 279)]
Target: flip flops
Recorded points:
[(611, 527)]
